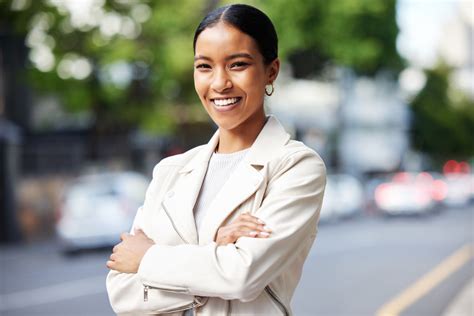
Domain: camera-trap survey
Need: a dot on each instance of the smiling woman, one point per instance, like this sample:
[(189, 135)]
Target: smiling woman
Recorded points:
[(225, 228), (231, 71)]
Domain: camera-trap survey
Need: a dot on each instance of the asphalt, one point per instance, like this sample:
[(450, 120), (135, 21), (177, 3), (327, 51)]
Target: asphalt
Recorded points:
[(463, 303), (376, 258)]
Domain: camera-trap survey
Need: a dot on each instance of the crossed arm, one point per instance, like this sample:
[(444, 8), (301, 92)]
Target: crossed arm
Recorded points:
[(128, 254), (124, 285)]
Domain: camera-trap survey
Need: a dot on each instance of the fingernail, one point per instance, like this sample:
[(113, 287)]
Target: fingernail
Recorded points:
[(264, 234), (253, 232), (267, 228), (260, 221)]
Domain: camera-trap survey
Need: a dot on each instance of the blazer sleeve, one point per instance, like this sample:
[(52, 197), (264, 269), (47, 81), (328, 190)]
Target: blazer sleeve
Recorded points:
[(242, 270), (127, 293)]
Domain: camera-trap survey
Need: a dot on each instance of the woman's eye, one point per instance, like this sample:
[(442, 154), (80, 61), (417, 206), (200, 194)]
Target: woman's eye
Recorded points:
[(239, 64), (203, 66)]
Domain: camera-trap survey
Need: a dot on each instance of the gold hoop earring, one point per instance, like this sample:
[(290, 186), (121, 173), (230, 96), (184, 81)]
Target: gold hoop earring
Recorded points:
[(271, 92)]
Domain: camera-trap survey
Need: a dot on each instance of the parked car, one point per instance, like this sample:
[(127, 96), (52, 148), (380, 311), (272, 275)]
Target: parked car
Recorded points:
[(459, 180), (406, 193), (471, 185), (459, 190), (343, 197), (96, 208)]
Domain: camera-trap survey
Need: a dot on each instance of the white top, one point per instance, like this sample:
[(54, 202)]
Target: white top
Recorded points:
[(218, 171)]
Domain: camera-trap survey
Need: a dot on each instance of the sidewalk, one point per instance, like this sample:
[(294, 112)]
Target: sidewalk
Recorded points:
[(463, 303)]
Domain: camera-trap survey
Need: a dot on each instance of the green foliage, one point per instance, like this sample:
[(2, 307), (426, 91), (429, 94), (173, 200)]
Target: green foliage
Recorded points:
[(162, 52), (443, 124), (359, 34)]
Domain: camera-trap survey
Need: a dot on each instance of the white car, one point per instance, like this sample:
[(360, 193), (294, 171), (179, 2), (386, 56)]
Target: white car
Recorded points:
[(97, 208), (406, 193), (459, 190), (343, 197)]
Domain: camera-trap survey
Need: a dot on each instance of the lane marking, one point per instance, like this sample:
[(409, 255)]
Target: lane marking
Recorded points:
[(53, 293), (427, 282)]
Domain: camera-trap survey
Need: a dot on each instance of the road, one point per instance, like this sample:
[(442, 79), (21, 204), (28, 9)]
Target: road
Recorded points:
[(356, 267)]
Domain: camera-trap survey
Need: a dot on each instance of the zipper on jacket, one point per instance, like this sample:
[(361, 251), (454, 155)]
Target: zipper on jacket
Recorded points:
[(146, 288), (229, 309), (196, 303), (181, 309), (277, 300), (145, 293)]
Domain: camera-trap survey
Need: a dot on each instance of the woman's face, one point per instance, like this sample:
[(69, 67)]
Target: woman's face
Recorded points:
[(230, 77)]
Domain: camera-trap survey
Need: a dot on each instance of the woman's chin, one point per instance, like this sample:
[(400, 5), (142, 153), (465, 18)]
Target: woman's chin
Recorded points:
[(226, 124)]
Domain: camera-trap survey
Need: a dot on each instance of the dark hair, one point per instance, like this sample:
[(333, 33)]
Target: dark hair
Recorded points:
[(248, 20)]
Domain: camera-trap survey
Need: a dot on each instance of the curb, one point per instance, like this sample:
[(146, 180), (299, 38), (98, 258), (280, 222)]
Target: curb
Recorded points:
[(463, 303)]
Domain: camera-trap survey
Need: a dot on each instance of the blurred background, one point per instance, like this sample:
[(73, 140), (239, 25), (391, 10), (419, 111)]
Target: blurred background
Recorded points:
[(93, 93)]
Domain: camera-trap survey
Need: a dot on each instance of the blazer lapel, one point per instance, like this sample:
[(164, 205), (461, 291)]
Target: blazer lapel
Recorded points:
[(244, 181), (179, 201)]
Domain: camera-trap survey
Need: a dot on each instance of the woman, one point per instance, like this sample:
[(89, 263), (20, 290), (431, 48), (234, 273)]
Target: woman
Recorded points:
[(225, 227)]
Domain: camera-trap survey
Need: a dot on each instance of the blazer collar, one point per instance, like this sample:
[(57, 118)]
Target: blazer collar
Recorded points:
[(268, 144), (240, 186)]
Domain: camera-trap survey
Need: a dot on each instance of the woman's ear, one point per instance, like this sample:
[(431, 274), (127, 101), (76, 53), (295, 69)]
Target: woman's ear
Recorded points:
[(273, 70)]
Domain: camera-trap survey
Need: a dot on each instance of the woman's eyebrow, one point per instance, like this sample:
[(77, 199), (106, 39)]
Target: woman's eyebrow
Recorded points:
[(197, 57), (239, 55), (233, 56)]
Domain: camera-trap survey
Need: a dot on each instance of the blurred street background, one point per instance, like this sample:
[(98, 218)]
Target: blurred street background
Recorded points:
[(93, 93)]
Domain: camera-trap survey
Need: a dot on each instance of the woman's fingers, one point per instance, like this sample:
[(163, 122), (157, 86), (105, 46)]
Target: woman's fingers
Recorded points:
[(245, 225), (250, 226), (251, 218), (249, 222), (236, 234), (253, 233), (123, 236)]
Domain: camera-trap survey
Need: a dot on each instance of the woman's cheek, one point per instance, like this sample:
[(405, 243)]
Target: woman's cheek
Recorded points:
[(200, 84), (199, 90)]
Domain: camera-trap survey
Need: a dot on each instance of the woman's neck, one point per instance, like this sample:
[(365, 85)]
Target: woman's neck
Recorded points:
[(235, 140)]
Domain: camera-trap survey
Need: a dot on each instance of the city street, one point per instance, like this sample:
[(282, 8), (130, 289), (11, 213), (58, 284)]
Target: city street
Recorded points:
[(99, 97), (356, 267)]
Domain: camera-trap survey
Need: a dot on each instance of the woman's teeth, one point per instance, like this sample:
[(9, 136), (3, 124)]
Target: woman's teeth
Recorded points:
[(225, 102)]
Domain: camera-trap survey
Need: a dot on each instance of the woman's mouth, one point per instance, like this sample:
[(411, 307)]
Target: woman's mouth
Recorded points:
[(226, 104)]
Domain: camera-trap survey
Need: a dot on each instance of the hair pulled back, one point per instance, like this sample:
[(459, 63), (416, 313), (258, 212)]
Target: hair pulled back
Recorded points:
[(248, 20)]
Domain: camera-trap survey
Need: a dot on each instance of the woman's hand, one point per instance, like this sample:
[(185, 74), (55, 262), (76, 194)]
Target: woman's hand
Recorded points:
[(245, 225), (128, 254)]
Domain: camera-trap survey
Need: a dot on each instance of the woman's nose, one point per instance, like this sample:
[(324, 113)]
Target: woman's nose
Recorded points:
[(221, 81)]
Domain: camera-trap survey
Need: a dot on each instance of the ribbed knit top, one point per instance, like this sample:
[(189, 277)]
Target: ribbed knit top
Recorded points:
[(219, 170)]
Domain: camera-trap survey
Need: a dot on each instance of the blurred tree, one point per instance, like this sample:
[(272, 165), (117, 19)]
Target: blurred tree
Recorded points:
[(122, 60), (128, 61), (443, 124), (358, 34)]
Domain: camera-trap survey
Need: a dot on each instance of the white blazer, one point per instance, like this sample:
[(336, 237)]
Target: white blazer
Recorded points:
[(280, 181)]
